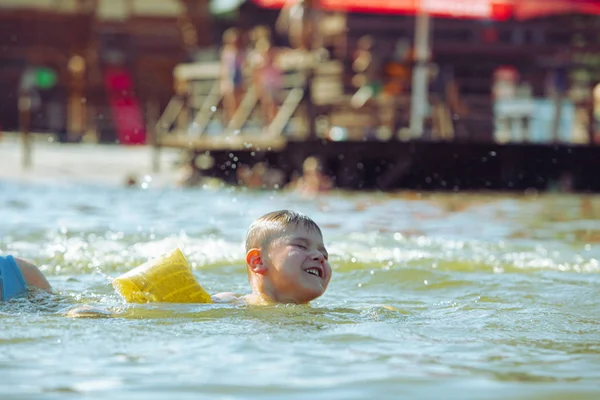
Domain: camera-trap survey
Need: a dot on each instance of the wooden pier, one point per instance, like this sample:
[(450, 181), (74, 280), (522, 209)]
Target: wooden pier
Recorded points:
[(356, 160), (422, 165)]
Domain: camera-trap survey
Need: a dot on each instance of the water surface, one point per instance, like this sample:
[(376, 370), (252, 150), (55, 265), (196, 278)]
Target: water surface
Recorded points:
[(434, 296)]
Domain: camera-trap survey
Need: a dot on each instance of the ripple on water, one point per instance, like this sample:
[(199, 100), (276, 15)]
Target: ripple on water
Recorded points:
[(489, 296)]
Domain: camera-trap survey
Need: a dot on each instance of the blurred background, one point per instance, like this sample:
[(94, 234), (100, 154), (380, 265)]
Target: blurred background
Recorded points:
[(437, 143), (280, 78)]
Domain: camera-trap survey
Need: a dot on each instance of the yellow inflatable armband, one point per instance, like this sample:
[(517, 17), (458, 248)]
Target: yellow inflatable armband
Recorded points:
[(167, 279)]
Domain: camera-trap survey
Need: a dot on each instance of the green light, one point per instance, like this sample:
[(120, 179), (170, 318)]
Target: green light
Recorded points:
[(45, 78)]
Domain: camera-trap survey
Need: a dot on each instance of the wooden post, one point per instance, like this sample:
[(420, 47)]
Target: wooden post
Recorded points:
[(76, 111), (594, 115), (153, 130), (308, 101), (556, 117), (310, 30), (418, 103), (25, 126), (591, 124), (182, 89), (560, 79)]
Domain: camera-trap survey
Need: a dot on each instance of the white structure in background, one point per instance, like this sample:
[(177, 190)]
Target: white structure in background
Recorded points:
[(531, 120), (519, 117), (478, 9), (107, 9)]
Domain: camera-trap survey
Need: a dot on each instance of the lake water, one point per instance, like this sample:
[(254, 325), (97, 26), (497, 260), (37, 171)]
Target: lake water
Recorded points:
[(470, 296)]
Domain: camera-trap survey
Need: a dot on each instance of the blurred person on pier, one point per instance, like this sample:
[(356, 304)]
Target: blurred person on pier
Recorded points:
[(232, 72)]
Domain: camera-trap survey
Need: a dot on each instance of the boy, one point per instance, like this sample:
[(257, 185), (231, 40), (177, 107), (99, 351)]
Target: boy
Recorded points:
[(17, 275), (286, 259)]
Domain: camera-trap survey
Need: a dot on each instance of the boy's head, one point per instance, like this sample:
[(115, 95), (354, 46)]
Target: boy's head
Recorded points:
[(286, 258)]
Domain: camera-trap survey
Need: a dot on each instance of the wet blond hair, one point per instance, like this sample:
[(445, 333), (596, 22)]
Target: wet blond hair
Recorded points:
[(266, 228)]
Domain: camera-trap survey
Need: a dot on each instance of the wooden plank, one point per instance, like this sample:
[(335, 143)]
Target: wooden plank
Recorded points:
[(229, 142), (197, 71), (286, 111), (289, 62)]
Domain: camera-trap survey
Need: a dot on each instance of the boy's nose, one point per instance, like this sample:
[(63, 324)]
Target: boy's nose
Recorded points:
[(319, 256)]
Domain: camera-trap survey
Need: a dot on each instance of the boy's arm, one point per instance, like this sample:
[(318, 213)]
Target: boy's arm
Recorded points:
[(33, 276), (225, 297)]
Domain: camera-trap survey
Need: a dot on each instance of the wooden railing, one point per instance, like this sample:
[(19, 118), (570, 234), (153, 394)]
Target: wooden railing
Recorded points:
[(191, 120), (188, 117)]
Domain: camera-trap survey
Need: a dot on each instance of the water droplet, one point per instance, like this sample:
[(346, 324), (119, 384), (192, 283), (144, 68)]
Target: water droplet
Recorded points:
[(426, 282), (145, 185), (213, 109)]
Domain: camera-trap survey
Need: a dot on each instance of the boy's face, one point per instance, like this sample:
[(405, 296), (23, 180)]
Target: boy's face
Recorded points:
[(297, 268)]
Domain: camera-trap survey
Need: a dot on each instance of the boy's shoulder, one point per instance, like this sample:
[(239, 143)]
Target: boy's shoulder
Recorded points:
[(32, 274)]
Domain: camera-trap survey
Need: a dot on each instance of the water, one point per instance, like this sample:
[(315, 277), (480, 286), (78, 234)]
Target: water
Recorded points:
[(433, 296)]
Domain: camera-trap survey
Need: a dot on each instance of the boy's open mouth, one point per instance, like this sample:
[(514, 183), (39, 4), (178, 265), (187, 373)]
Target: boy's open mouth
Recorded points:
[(315, 271)]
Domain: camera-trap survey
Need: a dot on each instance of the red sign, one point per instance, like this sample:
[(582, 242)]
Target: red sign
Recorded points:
[(379, 6), (480, 9), (538, 8), (492, 9)]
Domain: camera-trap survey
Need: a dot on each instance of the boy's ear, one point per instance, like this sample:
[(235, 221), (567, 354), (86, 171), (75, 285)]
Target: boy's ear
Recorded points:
[(255, 262)]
